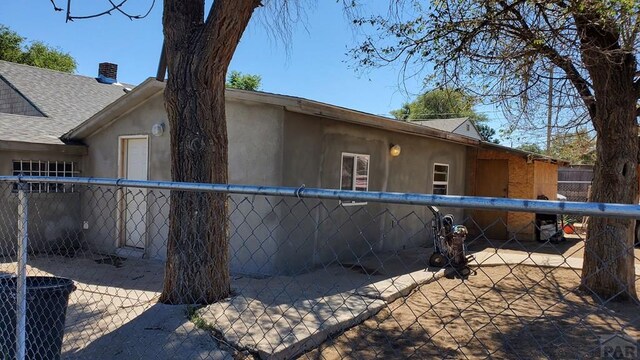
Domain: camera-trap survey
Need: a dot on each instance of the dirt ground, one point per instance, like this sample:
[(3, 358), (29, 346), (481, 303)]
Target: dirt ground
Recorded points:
[(500, 312), (572, 247)]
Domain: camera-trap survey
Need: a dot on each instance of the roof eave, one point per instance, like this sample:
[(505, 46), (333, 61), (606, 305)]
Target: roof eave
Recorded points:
[(7, 145), (528, 155), (314, 108), (151, 87)]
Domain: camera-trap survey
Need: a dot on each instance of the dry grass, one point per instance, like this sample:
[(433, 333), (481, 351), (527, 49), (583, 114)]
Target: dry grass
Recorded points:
[(501, 312)]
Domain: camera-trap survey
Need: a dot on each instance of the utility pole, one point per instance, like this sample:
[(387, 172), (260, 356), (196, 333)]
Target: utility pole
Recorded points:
[(162, 64), (549, 110)]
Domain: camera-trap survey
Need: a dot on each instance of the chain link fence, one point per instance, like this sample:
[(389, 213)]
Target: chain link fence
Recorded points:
[(301, 273)]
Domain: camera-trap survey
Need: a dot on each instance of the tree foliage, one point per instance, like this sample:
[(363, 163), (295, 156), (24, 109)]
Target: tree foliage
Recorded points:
[(13, 49), (440, 104), (579, 147), (531, 147), (487, 132), (10, 45), (238, 80), (580, 57), (446, 104), (503, 49)]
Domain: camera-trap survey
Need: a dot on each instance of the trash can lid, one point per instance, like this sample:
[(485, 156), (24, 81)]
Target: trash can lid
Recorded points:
[(38, 283)]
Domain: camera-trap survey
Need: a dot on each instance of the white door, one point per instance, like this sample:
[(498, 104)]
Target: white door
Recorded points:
[(135, 163)]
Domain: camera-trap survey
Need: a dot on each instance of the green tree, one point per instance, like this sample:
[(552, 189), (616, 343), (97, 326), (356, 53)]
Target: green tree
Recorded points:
[(487, 132), (530, 147), (40, 55), (440, 104), (238, 80), (446, 104), (516, 51), (37, 54), (578, 148), (10, 45)]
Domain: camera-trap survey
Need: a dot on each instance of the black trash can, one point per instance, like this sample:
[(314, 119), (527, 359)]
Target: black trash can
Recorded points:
[(47, 300)]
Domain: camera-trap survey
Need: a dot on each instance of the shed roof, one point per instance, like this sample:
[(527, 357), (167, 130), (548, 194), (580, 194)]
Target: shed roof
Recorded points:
[(64, 100)]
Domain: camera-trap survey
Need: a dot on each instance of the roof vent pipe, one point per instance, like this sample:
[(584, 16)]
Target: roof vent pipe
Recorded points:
[(107, 73)]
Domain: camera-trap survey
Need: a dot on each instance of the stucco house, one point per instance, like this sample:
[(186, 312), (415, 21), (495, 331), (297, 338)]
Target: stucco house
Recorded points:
[(282, 141)]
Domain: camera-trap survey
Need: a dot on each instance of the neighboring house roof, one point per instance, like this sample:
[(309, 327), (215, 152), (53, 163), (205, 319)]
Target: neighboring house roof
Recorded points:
[(454, 125), (64, 100), (449, 125)]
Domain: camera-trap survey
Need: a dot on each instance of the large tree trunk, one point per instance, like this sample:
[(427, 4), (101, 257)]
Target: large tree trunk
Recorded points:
[(608, 270), (198, 55)]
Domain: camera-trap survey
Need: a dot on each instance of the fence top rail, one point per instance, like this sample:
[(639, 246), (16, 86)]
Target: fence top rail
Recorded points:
[(454, 201)]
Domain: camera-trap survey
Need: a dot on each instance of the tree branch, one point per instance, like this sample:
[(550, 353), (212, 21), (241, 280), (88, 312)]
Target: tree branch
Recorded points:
[(562, 62), (55, 7), (114, 7), (132, 17), (182, 20), (224, 27)]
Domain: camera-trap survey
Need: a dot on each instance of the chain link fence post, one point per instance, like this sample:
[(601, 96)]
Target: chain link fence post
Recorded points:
[(21, 298)]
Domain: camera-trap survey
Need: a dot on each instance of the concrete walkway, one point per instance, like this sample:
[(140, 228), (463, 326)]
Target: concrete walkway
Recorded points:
[(282, 317)]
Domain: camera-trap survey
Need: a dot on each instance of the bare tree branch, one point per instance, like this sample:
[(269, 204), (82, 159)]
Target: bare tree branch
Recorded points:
[(564, 63), (55, 7), (216, 35), (114, 7)]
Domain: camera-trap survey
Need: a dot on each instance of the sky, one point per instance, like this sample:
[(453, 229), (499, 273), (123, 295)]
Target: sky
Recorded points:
[(314, 64)]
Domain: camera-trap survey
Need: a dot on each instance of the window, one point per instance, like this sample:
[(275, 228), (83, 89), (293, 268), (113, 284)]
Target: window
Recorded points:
[(354, 174), (440, 179), (46, 168)]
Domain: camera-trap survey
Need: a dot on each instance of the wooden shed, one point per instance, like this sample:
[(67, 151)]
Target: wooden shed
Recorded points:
[(498, 171)]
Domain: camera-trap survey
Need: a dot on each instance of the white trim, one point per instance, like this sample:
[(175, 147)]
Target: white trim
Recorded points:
[(353, 175), (433, 178), (120, 208)]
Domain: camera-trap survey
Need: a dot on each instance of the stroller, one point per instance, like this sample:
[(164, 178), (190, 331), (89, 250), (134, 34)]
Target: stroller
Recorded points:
[(448, 243)]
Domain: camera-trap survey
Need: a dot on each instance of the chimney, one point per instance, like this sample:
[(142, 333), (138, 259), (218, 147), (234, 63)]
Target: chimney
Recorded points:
[(107, 73)]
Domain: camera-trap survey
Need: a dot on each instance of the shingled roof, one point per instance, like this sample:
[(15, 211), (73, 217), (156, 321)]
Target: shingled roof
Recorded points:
[(64, 100)]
